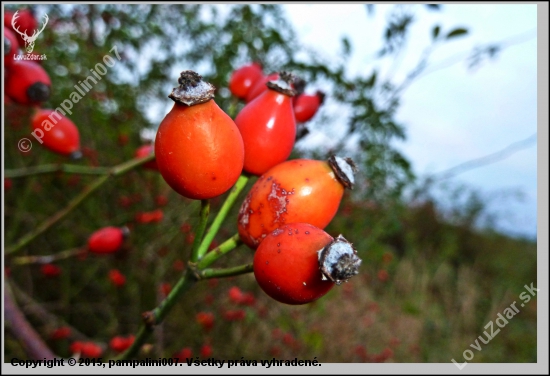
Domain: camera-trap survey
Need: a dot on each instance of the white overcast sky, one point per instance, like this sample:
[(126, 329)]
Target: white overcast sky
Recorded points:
[(454, 115)]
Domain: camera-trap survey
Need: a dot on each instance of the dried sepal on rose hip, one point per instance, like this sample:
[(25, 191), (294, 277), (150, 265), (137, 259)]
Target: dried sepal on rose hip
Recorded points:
[(198, 148), (338, 261)]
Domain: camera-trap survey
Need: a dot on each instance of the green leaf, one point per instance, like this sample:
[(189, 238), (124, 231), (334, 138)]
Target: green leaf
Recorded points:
[(435, 32), (457, 32)]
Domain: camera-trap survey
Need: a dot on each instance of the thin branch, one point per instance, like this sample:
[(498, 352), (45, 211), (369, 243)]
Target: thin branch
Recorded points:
[(30, 307), (156, 316), (49, 168), (226, 272), (227, 246), (23, 260), (21, 329), (488, 159), (75, 202)]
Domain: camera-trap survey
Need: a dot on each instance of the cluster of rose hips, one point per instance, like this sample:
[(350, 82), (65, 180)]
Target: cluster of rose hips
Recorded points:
[(201, 152)]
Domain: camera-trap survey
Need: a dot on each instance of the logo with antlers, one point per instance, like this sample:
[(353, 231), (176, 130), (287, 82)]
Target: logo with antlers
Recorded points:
[(29, 40)]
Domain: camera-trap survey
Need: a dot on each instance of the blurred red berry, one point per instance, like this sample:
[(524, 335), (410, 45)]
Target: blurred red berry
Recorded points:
[(206, 351), (144, 151), (387, 258), (91, 350), (86, 349), (106, 240), (361, 352), (161, 200), (383, 275), (117, 278), (247, 299), (234, 315), (185, 228), (7, 183), (61, 333), (213, 245), (235, 294), (150, 217), (165, 289), (288, 339), (386, 354), (50, 270), (120, 344), (179, 265), (213, 282), (123, 139), (125, 201), (275, 351), (185, 353), (76, 347), (206, 320), (190, 238)]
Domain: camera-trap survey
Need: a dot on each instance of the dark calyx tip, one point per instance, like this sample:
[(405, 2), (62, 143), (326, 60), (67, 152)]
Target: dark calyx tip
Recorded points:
[(344, 169), (125, 231), (75, 155), (192, 90), (39, 92), (321, 95), (284, 84), (338, 261), (299, 85)]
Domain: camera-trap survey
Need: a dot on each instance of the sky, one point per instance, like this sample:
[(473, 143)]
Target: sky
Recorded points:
[(453, 115)]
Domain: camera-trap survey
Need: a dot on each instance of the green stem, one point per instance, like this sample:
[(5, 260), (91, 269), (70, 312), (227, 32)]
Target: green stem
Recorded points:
[(222, 214), (88, 190), (203, 220), (226, 272), (48, 168), (227, 246)]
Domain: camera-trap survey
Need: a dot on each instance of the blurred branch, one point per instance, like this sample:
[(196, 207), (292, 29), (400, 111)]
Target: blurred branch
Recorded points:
[(114, 171), (35, 309), (48, 168), (422, 69), (23, 331), (49, 258), (488, 159), (222, 214), (156, 316)]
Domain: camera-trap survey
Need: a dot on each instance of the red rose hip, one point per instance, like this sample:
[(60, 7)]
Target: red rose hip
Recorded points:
[(268, 127), (107, 240), (299, 190), (198, 148), (299, 263)]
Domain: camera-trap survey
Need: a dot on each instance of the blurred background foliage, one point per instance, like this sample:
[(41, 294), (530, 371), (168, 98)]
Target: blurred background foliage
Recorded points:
[(431, 277)]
